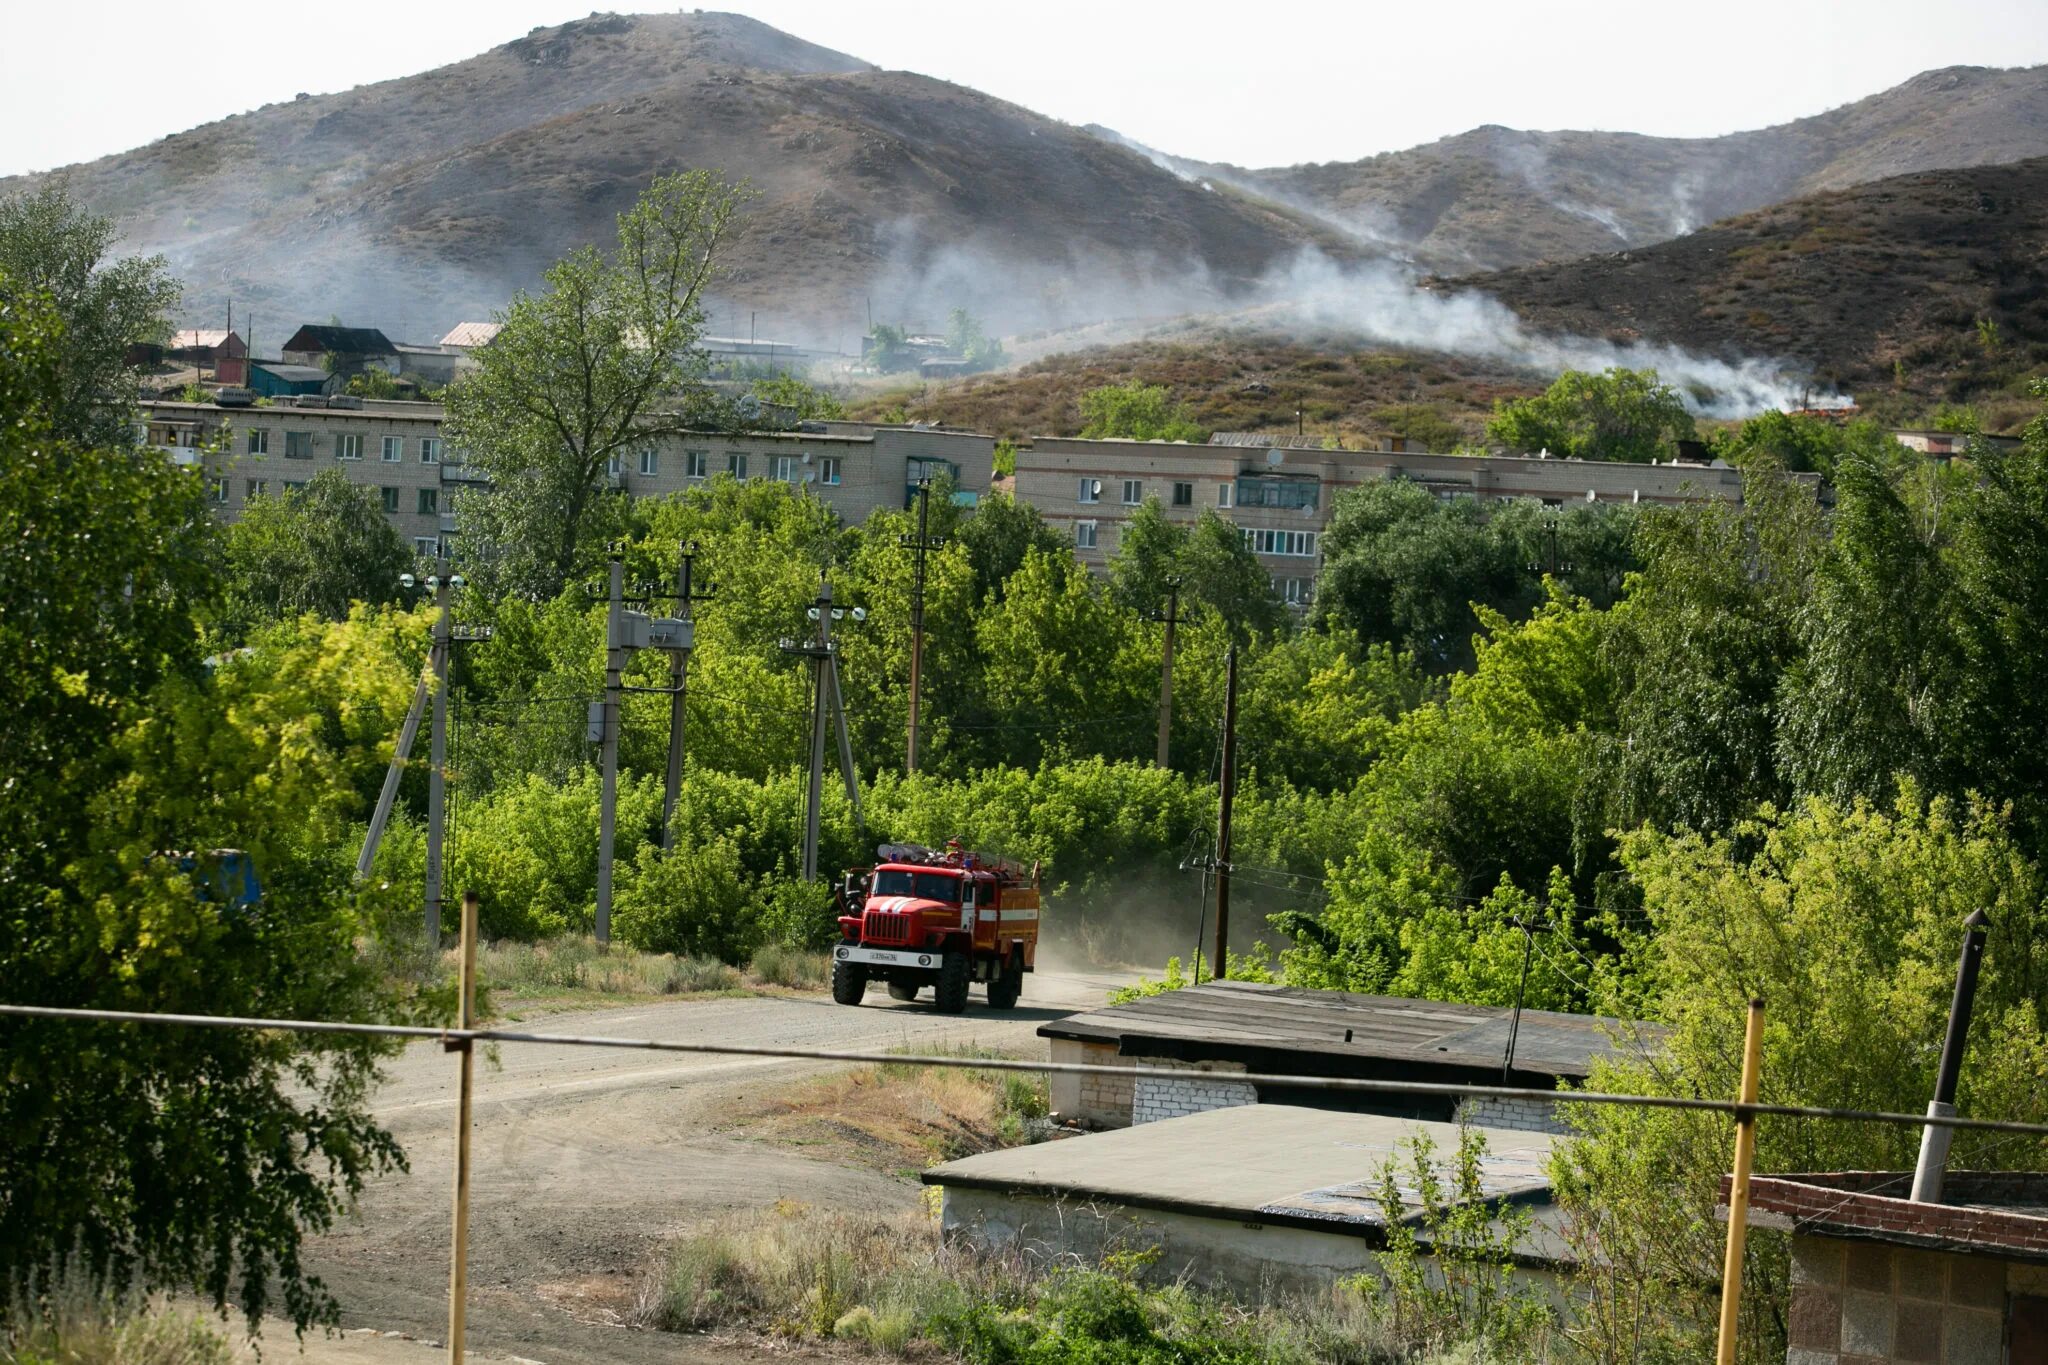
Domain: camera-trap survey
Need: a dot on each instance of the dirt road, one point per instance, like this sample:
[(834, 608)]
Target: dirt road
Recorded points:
[(586, 1159)]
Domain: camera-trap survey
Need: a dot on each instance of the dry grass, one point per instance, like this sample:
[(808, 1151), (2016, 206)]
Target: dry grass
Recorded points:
[(75, 1327), (901, 1117), (575, 969)]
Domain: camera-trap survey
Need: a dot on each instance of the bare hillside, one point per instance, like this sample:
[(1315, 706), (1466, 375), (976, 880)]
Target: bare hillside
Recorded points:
[(416, 202), (1496, 197)]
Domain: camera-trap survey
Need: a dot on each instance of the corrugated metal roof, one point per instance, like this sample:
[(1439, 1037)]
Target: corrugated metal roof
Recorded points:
[(1232, 1019), (468, 334)]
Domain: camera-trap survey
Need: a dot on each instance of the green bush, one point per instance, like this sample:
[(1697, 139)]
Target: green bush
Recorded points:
[(693, 900)]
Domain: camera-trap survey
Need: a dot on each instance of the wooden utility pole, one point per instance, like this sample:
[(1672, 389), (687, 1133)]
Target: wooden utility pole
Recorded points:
[(919, 545), (1219, 966), (437, 773), (1171, 617), (678, 677), (458, 1270), (1738, 1186), (608, 799)]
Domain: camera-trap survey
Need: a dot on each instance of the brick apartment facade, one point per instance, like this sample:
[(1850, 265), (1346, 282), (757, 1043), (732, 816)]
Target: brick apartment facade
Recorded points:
[(1280, 496), (397, 448)]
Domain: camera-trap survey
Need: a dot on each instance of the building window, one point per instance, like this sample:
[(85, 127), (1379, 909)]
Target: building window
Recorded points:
[(1295, 543), (1224, 492), (294, 485), (736, 463), (427, 547), (697, 463), (1134, 492), (259, 441), (298, 445), (430, 450), (253, 489), (650, 463), (612, 465), (1264, 490), (1084, 535), (394, 449), (390, 498), (783, 468), (828, 469), (1183, 494), (348, 445), (1295, 592), (430, 501), (217, 490), (1091, 490)]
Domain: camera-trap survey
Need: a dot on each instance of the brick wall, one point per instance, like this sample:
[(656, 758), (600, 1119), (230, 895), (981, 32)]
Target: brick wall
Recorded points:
[(1869, 1302), (1096, 1101), (1536, 1116), (1195, 1088)]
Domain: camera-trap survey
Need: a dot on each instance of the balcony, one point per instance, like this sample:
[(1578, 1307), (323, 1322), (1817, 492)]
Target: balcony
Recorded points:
[(462, 473)]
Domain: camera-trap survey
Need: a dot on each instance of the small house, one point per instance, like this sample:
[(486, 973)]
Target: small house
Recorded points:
[(218, 350), (274, 379), (341, 350)]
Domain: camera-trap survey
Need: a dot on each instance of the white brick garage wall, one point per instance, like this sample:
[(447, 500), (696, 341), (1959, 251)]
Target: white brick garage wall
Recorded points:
[(1193, 1088)]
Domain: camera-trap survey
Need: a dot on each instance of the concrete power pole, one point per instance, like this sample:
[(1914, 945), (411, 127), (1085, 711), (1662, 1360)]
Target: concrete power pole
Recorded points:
[(919, 546), (1171, 616), (1220, 965), (608, 801), (678, 675), (437, 773), (827, 706)]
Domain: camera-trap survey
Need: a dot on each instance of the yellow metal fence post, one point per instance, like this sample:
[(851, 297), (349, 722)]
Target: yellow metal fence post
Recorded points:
[(1738, 1189), (458, 1274)]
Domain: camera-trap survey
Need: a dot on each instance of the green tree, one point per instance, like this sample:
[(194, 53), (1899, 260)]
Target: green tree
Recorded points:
[(1618, 415), (52, 246), (319, 548), (1402, 566), (598, 364), (1136, 411), (806, 400), (998, 537), (1219, 571), (160, 1158), (1846, 921), (965, 338), (1148, 553)]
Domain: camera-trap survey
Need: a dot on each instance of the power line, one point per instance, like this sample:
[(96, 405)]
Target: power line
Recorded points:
[(461, 1036)]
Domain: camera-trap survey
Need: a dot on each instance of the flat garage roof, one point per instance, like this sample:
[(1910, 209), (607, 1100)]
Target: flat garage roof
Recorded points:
[(1272, 1163)]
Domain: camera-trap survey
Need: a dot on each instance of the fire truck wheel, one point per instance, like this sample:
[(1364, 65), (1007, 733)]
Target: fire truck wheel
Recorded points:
[(849, 982), (951, 992), (900, 990), (1004, 990)]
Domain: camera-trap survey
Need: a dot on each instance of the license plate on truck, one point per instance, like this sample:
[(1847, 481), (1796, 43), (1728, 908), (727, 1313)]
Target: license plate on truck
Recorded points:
[(884, 957)]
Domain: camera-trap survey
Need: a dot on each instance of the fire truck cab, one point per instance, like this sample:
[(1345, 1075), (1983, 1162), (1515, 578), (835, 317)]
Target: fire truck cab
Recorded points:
[(945, 920)]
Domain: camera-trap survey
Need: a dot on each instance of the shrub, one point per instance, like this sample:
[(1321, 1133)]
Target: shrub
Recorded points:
[(795, 968), (687, 901)]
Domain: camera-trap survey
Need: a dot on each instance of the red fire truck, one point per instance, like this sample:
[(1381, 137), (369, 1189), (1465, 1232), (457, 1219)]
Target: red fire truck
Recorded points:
[(923, 917)]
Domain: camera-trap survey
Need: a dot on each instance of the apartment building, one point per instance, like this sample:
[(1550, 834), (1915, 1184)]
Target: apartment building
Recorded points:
[(398, 449), (1279, 496)]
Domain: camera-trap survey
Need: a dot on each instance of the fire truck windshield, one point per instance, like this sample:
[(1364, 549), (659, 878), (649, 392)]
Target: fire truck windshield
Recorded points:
[(930, 886)]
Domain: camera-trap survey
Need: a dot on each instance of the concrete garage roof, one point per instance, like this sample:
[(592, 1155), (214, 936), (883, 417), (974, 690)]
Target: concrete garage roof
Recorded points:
[(1287, 1028), (1268, 1163)]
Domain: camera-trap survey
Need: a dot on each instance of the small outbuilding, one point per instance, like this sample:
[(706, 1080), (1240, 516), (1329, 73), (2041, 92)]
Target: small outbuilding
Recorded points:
[(1195, 1043), (273, 379), (341, 350), (1878, 1277), (1254, 1199)]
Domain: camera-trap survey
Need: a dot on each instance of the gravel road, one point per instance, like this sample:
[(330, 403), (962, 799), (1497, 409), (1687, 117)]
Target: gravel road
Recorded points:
[(586, 1159)]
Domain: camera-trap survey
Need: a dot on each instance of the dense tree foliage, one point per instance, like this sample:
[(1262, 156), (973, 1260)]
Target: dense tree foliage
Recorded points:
[(1618, 415), (318, 548), (1137, 411), (192, 1160)]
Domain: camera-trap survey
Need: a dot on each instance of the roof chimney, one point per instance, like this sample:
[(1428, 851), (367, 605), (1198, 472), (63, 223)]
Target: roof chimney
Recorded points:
[(1935, 1139)]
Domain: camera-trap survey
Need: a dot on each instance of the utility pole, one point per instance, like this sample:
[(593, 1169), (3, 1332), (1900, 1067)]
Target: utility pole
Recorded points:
[(437, 773), (1219, 966), (678, 675), (1171, 618), (826, 704), (1929, 1174), (608, 800), (919, 545)]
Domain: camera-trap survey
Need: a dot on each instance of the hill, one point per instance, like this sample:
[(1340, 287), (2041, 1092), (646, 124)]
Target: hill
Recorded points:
[(1498, 197), (1907, 292), (415, 202)]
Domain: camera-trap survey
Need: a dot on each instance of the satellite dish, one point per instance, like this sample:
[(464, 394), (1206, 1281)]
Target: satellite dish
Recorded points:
[(749, 406), (1274, 457), (810, 475)]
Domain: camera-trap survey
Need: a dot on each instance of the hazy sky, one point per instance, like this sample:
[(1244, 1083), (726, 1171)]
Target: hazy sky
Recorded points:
[(1266, 83)]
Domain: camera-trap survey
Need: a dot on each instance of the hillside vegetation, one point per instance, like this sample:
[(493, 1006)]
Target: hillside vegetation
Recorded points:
[(1909, 292)]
